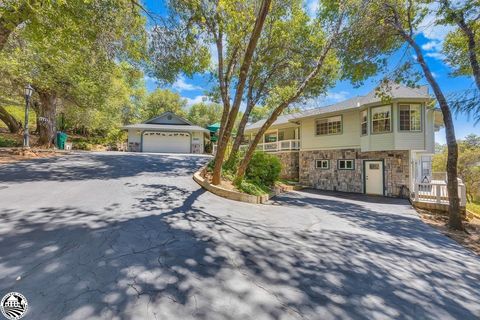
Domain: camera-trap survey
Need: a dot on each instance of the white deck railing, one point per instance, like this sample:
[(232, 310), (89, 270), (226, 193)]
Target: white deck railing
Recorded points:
[(283, 145), (436, 192)]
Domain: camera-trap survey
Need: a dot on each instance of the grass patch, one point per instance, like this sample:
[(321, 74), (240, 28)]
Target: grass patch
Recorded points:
[(474, 207), (9, 143), (253, 188), (19, 114)]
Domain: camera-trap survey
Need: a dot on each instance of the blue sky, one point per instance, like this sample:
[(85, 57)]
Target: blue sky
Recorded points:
[(430, 38)]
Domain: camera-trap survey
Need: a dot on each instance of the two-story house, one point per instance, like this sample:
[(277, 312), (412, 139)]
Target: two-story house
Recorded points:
[(362, 145)]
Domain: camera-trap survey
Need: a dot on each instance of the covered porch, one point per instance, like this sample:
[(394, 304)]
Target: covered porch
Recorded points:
[(275, 140)]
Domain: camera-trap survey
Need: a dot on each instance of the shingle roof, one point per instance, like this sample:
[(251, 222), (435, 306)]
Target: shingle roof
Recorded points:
[(394, 91), (164, 127), (280, 120)]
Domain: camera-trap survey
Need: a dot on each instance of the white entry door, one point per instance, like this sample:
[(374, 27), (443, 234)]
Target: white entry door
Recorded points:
[(168, 142), (374, 177)]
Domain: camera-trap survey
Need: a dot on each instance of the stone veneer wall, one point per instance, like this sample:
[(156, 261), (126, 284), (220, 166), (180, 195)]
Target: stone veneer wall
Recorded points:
[(290, 162), (396, 170)]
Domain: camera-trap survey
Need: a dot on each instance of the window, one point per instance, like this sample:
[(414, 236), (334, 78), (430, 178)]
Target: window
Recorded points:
[(364, 121), (271, 137), (374, 166), (346, 164), (332, 125), (381, 119), (322, 164), (410, 117)]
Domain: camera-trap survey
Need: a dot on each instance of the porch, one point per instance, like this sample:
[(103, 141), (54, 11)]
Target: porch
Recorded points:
[(276, 140), (434, 194)]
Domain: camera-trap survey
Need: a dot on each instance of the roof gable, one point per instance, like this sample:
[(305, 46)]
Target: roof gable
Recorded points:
[(169, 118)]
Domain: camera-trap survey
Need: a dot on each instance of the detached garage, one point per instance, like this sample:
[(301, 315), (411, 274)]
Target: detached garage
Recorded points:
[(167, 133)]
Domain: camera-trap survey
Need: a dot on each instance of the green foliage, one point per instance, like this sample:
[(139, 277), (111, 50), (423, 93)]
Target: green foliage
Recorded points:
[(208, 147), (253, 188), (474, 207), (264, 169), (163, 100), (9, 143), (468, 164), (19, 114), (204, 114), (455, 46), (72, 50), (122, 105)]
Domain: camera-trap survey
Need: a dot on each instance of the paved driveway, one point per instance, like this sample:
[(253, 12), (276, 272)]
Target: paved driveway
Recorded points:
[(131, 236)]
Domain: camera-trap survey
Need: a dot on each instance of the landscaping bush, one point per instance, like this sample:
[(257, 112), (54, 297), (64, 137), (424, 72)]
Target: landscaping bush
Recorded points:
[(252, 188), (9, 143), (83, 146), (264, 169)]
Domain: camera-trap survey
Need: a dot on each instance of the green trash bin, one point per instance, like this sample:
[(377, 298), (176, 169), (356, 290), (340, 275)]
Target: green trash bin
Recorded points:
[(61, 140)]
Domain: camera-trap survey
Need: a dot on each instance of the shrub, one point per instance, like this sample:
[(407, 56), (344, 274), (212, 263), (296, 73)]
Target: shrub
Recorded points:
[(263, 169), (83, 146), (208, 147), (8, 143), (232, 165), (252, 188)]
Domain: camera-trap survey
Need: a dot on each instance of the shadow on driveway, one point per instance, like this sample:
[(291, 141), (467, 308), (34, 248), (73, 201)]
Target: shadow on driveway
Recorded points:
[(91, 166), (170, 257)]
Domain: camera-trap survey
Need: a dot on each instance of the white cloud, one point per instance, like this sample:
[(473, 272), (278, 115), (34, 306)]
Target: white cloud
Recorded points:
[(434, 32), (334, 97), (182, 85), (197, 99), (432, 45), (327, 99), (435, 55), (429, 27)]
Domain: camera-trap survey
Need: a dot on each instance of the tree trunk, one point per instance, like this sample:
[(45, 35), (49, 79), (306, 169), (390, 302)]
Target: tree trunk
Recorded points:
[(46, 118), (242, 168), (472, 51), (36, 107), (240, 132), (12, 18), (459, 18), (455, 219), (13, 125), (244, 68)]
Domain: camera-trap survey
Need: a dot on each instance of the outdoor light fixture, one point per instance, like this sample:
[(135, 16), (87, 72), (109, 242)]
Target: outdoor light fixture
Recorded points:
[(26, 137), (28, 91)]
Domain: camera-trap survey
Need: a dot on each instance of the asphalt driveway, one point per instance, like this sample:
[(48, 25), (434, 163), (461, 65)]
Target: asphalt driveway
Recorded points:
[(131, 236)]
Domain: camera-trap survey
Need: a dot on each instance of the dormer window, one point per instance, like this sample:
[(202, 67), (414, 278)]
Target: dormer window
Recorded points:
[(410, 117), (381, 119)]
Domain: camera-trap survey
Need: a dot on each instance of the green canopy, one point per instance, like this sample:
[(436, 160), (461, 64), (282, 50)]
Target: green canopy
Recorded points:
[(214, 127)]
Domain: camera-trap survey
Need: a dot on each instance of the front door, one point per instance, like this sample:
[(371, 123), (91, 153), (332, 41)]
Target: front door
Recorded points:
[(374, 177)]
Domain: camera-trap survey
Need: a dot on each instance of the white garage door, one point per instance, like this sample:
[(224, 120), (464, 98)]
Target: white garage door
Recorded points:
[(169, 142)]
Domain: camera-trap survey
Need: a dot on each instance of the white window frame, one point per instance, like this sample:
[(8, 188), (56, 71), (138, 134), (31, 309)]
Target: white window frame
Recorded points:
[(419, 129), (352, 167), (389, 118), (322, 163), (328, 121)]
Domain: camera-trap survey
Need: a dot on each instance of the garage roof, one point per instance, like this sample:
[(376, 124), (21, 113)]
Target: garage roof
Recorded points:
[(165, 127), (167, 121)]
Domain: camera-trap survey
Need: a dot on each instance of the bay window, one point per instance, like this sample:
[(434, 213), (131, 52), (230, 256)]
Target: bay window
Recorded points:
[(381, 119), (410, 117), (364, 121)]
